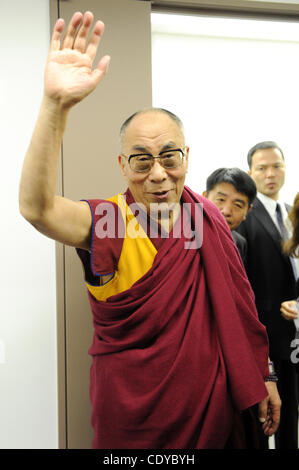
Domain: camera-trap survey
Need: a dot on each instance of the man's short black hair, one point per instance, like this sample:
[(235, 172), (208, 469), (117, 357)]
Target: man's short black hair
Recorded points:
[(266, 144), (237, 178)]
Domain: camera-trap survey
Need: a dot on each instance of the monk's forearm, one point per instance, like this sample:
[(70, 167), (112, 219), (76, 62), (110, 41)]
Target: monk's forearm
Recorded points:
[(40, 169)]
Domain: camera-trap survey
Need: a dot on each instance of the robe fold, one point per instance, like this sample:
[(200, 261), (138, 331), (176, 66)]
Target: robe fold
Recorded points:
[(178, 350)]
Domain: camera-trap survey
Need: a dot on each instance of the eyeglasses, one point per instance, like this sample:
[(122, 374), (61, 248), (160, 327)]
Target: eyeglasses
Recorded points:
[(168, 159)]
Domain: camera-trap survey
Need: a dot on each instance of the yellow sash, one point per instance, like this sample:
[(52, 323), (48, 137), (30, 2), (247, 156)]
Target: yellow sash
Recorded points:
[(137, 256)]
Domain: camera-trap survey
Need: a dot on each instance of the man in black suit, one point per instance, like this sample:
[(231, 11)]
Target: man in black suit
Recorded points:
[(233, 192), (272, 275)]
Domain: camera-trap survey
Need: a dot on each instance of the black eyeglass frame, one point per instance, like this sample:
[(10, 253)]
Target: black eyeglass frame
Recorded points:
[(183, 153)]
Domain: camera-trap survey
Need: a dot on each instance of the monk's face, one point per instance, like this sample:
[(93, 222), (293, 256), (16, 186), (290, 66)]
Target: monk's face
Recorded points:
[(153, 132)]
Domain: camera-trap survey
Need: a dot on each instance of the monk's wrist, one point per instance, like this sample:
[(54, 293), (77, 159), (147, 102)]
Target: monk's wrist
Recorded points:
[(272, 377)]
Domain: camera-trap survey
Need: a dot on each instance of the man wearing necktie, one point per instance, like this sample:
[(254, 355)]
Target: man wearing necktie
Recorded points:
[(273, 277)]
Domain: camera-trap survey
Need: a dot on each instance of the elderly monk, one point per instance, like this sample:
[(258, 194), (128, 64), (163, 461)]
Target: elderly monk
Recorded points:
[(178, 352)]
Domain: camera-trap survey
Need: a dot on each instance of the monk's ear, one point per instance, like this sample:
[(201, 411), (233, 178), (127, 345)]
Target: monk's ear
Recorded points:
[(122, 165), (205, 194), (187, 158)]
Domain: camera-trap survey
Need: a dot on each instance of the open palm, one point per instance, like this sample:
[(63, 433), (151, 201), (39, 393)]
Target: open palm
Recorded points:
[(69, 76)]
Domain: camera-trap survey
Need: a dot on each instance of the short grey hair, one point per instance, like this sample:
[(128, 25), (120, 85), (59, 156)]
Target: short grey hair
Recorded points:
[(172, 116)]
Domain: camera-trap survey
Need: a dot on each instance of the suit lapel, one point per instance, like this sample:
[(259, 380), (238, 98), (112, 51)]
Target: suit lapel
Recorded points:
[(265, 220)]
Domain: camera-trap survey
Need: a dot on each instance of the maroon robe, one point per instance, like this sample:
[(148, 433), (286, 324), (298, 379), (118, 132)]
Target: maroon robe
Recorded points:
[(177, 354)]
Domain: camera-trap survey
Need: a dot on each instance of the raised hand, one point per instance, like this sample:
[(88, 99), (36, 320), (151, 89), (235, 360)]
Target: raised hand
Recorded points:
[(69, 76)]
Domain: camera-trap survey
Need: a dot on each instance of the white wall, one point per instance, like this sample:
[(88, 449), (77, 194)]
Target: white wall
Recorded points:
[(233, 83), (28, 370)]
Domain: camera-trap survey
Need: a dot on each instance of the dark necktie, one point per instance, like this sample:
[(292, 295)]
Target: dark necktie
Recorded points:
[(284, 234), (282, 227)]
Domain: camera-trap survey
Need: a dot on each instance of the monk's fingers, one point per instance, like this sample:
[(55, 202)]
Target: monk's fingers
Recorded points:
[(56, 36), (81, 37), (72, 30), (263, 410), (273, 417), (94, 40), (77, 33), (100, 71), (270, 427), (104, 64)]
